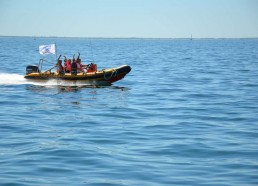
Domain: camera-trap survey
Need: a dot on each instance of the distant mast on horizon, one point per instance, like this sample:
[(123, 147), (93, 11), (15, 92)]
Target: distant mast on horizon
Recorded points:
[(191, 37)]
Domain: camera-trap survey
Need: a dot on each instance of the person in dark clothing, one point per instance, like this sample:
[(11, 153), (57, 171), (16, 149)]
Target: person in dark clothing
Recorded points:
[(74, 67), (59, 66)]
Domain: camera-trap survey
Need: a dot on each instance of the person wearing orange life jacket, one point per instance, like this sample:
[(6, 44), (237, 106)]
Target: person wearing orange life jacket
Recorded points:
[(92, 67), (67, 65)]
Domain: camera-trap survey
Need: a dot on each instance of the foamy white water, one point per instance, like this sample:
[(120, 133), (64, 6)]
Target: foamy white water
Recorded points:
[(17, 79), (12, 79)]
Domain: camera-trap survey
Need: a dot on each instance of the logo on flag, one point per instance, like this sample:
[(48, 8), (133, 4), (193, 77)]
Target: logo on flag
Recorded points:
[(47, 49)]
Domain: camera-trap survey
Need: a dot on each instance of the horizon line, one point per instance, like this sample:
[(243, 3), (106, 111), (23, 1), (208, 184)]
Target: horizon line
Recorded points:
[(84, 37)]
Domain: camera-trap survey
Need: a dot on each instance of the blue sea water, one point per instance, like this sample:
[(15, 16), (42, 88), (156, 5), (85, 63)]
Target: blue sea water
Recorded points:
[(187, 114)]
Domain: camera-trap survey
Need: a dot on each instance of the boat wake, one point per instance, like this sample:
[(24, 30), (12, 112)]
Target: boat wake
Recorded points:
[(11, 79), (17, 79)]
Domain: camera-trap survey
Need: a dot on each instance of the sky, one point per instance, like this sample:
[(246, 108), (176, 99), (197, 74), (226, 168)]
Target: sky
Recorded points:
[(130, 18)]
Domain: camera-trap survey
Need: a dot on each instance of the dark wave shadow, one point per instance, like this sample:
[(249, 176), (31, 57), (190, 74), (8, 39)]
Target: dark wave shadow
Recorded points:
[(66, 89)]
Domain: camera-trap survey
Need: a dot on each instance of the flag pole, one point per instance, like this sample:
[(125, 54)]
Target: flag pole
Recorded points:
[(56, 51)]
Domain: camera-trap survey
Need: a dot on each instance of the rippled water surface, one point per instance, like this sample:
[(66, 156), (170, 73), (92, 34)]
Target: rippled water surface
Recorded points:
[(187, 114)]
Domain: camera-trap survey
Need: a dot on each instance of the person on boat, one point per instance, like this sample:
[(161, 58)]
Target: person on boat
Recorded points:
[(59, 66), (92, 67), (78, 58), (80, 66), (65, 60), (74, 67), (67, 65)]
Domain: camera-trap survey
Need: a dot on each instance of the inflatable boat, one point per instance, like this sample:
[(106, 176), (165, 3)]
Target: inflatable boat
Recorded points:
[(104, 76)]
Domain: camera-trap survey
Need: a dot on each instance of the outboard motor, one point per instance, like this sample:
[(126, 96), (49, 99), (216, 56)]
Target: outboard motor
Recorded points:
[(32, 69)]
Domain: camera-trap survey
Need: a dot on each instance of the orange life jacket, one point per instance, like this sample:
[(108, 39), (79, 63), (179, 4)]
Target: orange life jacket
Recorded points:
[(92, 68)]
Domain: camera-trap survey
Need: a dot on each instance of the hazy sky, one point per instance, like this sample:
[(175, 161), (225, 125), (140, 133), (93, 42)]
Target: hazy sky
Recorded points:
[(130, 18)]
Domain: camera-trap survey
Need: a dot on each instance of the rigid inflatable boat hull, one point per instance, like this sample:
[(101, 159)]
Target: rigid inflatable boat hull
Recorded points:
[(105, 76)]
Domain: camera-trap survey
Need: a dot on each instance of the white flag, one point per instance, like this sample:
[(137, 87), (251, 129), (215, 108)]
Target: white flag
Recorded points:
[(47, 49)]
